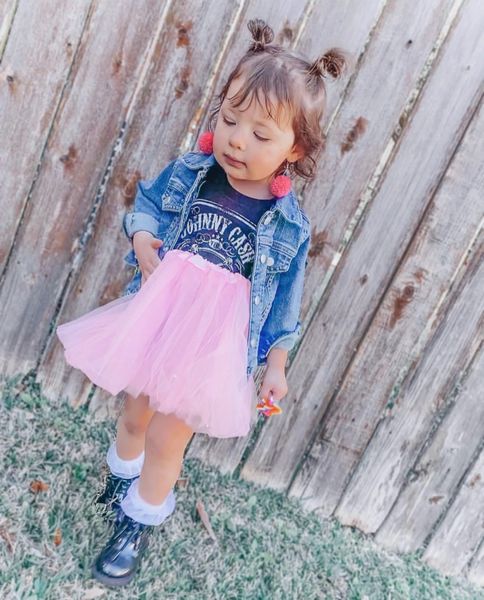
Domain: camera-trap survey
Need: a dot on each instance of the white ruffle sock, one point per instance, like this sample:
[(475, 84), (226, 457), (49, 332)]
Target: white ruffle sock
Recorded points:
[(138, 509), (123, 468)]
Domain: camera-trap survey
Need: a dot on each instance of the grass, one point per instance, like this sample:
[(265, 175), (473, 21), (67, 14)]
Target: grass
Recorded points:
[(267, 547)]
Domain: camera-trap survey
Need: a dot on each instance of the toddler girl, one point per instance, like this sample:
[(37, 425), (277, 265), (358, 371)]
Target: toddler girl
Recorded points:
[(220, 244)]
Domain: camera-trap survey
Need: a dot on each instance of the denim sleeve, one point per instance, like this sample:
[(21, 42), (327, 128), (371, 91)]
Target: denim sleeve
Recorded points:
[(286, 307), (147, 204)]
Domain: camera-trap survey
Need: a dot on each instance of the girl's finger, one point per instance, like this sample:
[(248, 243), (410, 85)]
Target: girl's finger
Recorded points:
[(154, 264), (276, 395), (266, 394), (151, 268)]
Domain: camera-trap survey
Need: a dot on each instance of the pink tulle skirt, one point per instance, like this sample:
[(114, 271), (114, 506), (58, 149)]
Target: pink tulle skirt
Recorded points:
[(181, 340)]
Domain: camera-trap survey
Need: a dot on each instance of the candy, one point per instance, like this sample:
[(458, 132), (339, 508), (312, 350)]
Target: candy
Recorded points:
[(267, 407)]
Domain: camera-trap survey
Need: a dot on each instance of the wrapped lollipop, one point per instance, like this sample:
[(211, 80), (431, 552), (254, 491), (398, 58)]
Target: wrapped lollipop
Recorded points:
[(267, 407)]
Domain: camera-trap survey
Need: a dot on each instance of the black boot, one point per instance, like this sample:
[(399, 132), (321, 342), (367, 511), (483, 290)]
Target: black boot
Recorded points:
[(118, 561), (109, 498)]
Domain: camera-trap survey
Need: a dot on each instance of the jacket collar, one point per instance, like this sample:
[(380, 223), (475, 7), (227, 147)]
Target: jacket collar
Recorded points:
[(287, 205)]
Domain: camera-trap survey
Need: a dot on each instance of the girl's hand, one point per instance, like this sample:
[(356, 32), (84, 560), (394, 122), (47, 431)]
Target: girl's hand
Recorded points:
[(145, 247), (274, 382)]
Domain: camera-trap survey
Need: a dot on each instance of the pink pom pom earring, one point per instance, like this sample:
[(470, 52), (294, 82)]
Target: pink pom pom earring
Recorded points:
[(281, 185), (205, 142)]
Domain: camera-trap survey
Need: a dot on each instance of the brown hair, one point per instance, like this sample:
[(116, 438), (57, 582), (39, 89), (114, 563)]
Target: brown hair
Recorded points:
[(296, 82)]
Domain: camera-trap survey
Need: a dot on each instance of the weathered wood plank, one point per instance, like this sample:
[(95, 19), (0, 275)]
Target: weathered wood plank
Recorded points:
[(159, 119), (321, 21), (102, 82), (364, 130), (405, 320), (394, 446), (460, 533), (227, 453), (32, 78), (433, 480), (7, 15), (360, 280), (475, 571)]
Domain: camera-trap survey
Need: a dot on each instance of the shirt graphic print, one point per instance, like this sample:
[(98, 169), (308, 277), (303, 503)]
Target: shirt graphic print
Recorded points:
[(222, 223)]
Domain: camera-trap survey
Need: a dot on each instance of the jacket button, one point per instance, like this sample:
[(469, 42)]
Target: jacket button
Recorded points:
[(252, 342), (257, 299), (270, 261), (263, 258)]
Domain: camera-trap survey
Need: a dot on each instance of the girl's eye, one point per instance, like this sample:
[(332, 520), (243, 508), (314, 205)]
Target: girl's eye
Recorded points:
[(257, 136)]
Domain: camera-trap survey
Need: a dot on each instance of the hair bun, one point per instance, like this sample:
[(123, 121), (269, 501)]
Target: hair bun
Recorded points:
[(261, 33), (333, 62)]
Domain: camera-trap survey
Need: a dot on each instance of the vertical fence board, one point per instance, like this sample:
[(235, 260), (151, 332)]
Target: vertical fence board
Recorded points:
[(226, 453), (398, 438), (434, 478), (462, 527), (326, 19), (475, 571), (32, 79), (90, 114), (403, 323), (160, 119), (7, 15), (366, 268)]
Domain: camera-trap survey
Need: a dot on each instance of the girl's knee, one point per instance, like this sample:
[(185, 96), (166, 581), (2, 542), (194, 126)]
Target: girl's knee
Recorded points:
[(137, 405), (136, 415), (168, 435), (133, 426)]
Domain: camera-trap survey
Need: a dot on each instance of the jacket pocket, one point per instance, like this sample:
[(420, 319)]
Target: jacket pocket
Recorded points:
[(279, 258)]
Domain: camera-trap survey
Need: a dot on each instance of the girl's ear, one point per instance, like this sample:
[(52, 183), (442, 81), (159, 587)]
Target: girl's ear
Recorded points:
[(295, 154)]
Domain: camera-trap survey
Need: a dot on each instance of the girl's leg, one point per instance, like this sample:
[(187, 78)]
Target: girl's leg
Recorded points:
[(166, 440), (125, 455), (131, 427), (149, 499)]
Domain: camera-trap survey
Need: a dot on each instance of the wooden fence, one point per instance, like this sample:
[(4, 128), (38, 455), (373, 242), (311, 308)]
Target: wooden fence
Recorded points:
[(383, 424)]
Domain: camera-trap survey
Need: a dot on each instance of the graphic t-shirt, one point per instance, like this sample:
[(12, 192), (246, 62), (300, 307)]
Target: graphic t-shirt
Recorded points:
[(221, 224)]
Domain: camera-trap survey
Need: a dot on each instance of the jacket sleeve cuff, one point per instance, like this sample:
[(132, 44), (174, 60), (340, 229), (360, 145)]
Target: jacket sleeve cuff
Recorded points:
[(138, 221), (287, 341)]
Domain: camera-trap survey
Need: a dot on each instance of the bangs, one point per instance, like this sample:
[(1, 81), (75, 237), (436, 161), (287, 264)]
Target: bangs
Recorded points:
[(269, 91)]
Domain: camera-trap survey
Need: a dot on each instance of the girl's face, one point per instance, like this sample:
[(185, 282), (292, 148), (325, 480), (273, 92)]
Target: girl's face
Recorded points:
[(247, 134)]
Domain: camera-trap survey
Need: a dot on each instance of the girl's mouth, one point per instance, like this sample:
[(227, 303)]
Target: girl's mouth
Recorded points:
[(232, 161)]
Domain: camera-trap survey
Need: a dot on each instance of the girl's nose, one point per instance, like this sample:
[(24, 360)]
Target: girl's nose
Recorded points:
[(236, 140)]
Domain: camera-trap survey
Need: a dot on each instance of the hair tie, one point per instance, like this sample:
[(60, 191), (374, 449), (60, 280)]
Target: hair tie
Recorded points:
[(331, 62), (262, 34)]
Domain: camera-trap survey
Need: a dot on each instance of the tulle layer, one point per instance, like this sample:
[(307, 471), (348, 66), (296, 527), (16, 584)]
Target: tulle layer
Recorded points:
[(181, 340)]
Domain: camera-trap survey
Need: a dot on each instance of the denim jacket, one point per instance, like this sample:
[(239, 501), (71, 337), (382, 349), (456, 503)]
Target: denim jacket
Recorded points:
[(161, 207)]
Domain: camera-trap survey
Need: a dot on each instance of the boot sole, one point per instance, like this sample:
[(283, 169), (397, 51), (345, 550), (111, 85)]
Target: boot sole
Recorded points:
[(112, 582)]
